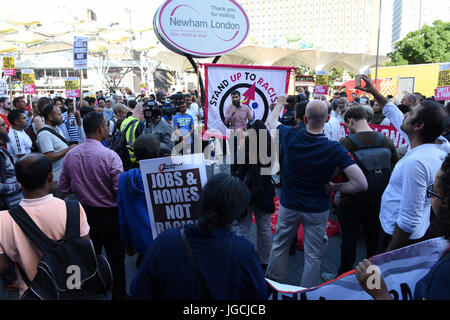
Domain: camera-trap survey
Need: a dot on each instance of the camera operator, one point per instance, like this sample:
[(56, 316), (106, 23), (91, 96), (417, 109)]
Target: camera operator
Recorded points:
[(168, 110), (154, 123)]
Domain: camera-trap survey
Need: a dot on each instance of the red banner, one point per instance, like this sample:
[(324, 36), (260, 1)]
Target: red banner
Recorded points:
[(388, 131)]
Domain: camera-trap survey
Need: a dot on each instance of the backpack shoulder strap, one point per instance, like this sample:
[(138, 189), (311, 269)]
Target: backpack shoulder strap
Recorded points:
[(73, 220), (356, 141), (379, 140), (54, 133), (30, 229)]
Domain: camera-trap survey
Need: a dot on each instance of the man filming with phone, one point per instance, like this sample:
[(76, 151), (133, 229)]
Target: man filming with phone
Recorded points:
[(405, 208)]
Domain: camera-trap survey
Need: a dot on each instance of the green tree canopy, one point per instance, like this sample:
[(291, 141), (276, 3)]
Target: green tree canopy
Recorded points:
[(431, 44)]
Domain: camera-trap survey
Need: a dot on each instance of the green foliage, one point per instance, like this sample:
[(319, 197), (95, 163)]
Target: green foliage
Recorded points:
[(431, 44), (335, 74)]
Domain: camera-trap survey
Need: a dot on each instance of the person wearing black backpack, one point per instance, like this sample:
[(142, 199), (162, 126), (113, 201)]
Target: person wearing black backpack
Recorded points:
[(362, 209), (48, 240), (91, 172)]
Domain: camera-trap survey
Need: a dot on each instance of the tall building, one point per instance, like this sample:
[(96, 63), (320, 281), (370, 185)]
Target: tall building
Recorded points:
[(349, 26), (411, 15)]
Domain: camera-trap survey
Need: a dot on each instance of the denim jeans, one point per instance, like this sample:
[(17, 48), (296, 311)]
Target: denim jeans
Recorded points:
[(315, 241)]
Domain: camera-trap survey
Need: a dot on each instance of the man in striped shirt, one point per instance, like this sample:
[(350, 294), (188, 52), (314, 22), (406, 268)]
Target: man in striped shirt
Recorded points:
[(19, 143), (72, 121)]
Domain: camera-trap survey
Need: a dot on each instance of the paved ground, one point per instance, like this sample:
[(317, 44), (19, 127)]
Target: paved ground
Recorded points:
[(330, 262)]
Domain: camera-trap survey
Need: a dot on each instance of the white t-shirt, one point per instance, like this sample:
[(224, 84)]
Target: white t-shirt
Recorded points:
[(193, 112), (48, 142), (19, 143), (332, 129)]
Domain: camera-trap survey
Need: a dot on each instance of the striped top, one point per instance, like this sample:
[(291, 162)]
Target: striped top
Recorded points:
[(72, 127)]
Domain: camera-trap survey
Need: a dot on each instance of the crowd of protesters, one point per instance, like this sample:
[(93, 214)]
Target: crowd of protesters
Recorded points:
[(56, 149)]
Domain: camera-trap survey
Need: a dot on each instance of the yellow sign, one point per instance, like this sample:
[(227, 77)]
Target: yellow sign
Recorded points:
[(28, 78), (8, 63), (444, 78), (321, 80), (72, 84), (142, 85)]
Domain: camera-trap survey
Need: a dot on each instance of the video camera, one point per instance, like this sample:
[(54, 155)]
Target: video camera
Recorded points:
[(151, 110)]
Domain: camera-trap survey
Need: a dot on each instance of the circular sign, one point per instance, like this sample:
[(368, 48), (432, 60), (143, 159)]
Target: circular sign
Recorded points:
[(201, 28)]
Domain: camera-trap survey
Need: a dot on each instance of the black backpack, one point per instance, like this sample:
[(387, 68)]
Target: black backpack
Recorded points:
[(64, 259), (375, 162), (119, 145)]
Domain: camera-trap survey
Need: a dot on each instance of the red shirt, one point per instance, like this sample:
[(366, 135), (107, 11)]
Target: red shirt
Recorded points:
[(5, 118)]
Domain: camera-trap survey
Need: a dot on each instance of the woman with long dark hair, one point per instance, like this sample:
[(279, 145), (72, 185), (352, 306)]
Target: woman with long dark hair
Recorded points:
[(207, 261)]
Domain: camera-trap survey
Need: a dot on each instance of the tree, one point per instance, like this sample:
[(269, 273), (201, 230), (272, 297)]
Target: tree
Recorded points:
[(335, 74), (431, 44)]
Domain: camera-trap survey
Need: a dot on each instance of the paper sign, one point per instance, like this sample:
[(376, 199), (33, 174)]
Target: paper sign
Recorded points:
[(172, 190), (443, 90), (320, 90), (3, 88), (321, 86), (72, 85), (28, 81), (8, 65), (80, 53)]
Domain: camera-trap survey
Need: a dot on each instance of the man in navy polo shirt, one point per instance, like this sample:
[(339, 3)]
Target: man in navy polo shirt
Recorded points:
[(311, 161)]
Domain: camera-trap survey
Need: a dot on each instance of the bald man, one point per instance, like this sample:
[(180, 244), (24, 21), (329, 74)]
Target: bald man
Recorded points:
[(309, 163), (410, 100)]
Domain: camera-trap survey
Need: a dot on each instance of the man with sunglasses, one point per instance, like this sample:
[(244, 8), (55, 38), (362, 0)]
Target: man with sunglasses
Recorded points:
[(405, 208)]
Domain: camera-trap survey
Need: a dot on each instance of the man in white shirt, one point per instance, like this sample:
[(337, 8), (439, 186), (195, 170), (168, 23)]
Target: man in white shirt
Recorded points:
[(332, 128), (192, 110), (19, 143), (405, 208), (340, 110)]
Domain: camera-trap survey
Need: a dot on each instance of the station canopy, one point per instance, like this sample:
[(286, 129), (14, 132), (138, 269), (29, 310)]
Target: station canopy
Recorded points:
[(132, 30)]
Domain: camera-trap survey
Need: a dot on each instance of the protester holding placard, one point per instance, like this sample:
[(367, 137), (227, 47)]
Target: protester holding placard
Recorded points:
[(206, 261), (135, 229), (405, 211)]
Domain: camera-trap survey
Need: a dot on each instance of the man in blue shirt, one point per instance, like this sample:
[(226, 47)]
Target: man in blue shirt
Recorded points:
[(183, 125), (310, 160)]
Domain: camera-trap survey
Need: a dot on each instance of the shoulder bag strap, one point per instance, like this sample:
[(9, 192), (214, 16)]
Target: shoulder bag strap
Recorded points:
[(194, 264), (54, 133), (73, 220), (30, 229)]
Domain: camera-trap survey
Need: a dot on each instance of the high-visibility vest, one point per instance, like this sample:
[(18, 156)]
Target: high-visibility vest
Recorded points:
[(130, 134)]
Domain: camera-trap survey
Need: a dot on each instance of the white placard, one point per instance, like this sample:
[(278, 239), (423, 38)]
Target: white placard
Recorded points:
[(80, 53), (172, 190)]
